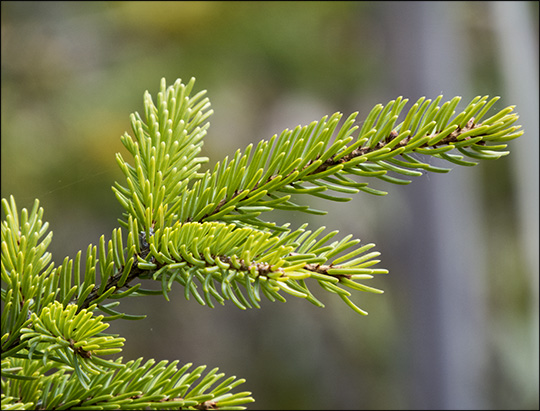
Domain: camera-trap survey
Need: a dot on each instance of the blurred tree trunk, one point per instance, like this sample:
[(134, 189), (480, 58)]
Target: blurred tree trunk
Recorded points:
[(443, 268)]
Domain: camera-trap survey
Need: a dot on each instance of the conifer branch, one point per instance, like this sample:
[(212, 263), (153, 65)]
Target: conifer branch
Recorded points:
[(204, 232), (305, 156)]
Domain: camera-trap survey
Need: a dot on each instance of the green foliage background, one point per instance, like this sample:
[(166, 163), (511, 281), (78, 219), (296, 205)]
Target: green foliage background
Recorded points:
[(71, 74)]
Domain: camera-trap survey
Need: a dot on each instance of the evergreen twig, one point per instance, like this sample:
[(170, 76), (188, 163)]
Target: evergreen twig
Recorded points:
[(204, 232)]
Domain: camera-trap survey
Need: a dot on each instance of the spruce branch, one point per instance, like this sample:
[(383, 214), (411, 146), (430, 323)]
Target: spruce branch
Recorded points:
[(307, 160), (165, 151), (282, 167), (204, 231), (133, 385)]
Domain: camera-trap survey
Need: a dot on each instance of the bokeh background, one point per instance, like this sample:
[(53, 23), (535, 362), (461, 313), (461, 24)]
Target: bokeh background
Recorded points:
[(457, 327)]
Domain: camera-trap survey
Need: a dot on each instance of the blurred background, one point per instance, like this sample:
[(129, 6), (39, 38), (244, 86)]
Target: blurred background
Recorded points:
[(457, 327)]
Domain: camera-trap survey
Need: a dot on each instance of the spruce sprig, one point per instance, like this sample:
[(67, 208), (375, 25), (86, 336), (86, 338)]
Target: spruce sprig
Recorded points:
[(323, 156), (205, 231)]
